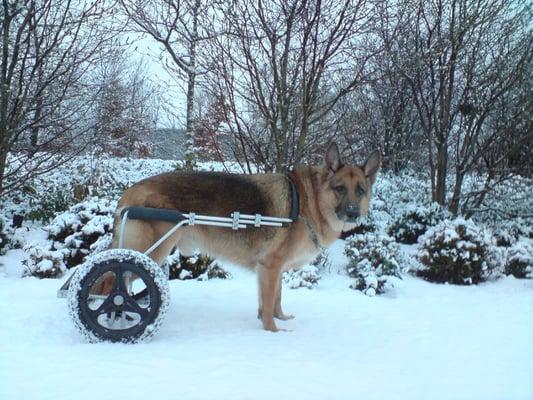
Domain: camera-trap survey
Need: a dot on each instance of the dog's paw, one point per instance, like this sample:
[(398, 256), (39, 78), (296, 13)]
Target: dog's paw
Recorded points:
[(284, 317), (276, 330), (270, 325)]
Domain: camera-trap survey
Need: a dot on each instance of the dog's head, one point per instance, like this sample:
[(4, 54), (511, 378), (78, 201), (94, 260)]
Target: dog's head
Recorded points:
[(347, 189)]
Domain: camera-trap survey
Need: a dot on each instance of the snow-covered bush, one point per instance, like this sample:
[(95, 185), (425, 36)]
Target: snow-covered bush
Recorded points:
[(507, 205), (391, 193), (322, 262), (507, 233), (496, 259), (11, 237), (520, 259), (199, 267), (363, 225), (415, 221), (86, 228), (504, 237), (455, 251), (373, 262), (43, 262), (46, 204), (307, 277), (17, 238), (3, 237)]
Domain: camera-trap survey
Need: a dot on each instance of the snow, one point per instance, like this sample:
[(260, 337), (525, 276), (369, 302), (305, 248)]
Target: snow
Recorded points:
[(418, 341)]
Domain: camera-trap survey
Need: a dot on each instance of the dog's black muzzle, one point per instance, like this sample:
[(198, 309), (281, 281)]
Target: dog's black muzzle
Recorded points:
[(349, 214), (352, 212)]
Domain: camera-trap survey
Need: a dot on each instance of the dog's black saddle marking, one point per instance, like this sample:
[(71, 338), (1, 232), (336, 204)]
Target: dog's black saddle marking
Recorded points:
[(153, 214), (176, 216)]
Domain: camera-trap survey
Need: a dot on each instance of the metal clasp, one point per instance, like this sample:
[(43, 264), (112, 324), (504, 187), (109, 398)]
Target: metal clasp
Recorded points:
[(236, 217)]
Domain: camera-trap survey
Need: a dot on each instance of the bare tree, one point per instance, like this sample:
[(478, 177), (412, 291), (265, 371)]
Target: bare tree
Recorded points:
[(126, 106), (502, 147), (179, 26), (462, 57), (282, 66), (46, 47), (380, 113), (494, 67)]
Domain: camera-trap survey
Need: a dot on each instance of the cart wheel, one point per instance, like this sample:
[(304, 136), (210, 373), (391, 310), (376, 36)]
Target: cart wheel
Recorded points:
[(166, 269), (130, 309)]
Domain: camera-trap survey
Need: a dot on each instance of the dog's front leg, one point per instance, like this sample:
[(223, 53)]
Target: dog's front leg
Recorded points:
[(269, 279), (278, 312)]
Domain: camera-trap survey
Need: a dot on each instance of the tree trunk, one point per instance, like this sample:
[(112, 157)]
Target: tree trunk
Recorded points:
[(302, 138), (4, 99), (190, 152), (439, 194), (34, 139), (3, 159), (456, 198)]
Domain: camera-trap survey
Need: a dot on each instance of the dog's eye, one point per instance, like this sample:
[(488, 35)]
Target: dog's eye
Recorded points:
[(340, 189), (360, 190)]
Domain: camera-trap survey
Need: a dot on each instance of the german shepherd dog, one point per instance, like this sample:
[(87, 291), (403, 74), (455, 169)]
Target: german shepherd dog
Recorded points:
[(331, 198)]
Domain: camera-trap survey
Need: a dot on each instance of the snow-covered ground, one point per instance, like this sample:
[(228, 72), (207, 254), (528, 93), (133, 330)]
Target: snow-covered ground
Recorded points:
[(419, 341)]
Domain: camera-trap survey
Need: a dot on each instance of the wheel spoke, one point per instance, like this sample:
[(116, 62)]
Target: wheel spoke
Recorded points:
[(132, 306), (143, 293), (112, 319), (118, 285), (105, 307), (123, 318)]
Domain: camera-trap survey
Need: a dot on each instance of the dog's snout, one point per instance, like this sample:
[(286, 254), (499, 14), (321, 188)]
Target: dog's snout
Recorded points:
[(352, 211)]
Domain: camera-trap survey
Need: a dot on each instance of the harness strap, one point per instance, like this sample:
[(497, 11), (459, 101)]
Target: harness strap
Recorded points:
[(295, 199), (312, 233), (295, 213)]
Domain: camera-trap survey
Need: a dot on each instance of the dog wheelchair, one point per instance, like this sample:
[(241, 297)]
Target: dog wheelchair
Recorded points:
[(134, 307)]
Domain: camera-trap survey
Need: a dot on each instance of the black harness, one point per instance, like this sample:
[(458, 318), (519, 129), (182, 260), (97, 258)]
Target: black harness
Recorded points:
[(295, 199), (295, 214)]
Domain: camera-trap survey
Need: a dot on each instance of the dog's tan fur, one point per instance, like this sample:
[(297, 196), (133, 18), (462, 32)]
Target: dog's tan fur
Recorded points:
[(270, 250)]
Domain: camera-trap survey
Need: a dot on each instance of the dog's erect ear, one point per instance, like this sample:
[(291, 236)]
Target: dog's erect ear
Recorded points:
[(333, 158), (371, 166)]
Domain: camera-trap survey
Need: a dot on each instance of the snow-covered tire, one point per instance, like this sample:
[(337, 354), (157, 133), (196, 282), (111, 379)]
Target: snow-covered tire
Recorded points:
[(117, 261), (166, 269)]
